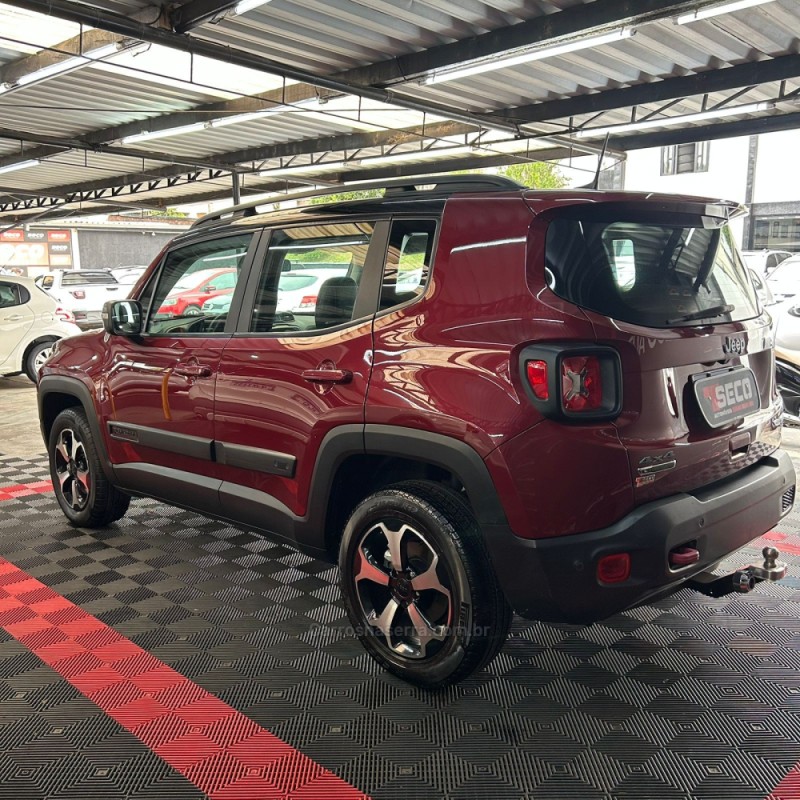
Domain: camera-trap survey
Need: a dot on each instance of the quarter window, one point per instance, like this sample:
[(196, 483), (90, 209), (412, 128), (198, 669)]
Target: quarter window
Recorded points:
[(408, 261), (311, 277), (195, 287)]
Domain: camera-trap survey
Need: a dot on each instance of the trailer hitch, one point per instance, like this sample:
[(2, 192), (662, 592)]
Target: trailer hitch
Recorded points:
[(744, 579)]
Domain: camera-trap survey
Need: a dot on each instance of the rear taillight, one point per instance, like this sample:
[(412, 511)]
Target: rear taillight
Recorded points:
[(309, 301), (64, 314), (581, 384), (78, 294), (537, 377), (573, 382)]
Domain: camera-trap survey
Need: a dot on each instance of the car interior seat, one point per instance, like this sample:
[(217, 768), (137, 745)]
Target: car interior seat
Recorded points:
[(335, 302)]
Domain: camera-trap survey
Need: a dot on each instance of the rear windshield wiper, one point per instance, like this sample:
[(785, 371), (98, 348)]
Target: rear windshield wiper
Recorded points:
[(703, 313)]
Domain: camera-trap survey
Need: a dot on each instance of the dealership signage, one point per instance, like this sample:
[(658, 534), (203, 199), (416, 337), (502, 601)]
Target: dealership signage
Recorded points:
[(39, 248)]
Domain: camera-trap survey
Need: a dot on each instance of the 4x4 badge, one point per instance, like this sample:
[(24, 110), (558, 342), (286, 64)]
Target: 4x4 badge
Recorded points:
[(658, 463), (734, 345)]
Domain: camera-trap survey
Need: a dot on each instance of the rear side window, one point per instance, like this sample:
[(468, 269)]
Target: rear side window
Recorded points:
[(311, 277), (84, 278), (659, 271), (12, 294)]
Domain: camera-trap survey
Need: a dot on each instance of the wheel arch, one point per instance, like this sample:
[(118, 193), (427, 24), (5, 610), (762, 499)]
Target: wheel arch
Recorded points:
[(56, 393), (48, 337), (355, 461)]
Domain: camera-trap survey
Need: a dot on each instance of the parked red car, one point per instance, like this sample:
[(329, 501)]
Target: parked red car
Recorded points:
[(188, 295), (561, 403)]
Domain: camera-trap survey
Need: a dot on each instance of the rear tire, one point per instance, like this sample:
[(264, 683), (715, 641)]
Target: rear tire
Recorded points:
[(87, 498), (418, 585), (38, 354)]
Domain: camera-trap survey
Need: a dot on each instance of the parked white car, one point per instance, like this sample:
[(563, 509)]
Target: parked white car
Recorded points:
[(784, 280), (764, 261), (30, 321), (84, 292)]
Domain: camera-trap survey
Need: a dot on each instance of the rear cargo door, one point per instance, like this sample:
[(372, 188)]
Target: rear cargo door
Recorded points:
[(666, 288)]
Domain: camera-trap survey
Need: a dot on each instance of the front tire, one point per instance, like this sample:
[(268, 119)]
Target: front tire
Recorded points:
[(87, 498), (38, 354), (418, 585)]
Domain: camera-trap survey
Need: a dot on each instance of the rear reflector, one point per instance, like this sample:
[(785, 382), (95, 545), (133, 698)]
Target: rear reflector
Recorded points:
[(78, 294), (537, 377), (581, 383), (614, 569), (308, 301)]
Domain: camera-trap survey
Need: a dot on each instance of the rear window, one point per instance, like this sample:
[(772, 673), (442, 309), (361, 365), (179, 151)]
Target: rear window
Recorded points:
[(84, 278), (660, 271)]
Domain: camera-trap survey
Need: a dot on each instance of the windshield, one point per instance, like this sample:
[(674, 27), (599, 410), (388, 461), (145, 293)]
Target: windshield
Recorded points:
[(661, 271)]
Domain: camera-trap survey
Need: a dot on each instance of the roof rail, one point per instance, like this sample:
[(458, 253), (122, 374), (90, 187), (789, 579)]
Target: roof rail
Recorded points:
[(395, 186)]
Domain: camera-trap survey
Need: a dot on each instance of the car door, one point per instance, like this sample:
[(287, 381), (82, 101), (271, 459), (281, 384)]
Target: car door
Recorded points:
[(287, 378), (159, 387), (16, 319)]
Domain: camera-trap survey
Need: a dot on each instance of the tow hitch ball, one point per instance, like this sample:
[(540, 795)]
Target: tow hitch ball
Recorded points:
[(744, 579)]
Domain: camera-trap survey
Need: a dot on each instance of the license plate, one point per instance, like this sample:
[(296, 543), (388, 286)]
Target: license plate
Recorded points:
[(728, 396)]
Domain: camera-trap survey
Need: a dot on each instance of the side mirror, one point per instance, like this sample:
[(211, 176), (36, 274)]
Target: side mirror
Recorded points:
[(122, 317)]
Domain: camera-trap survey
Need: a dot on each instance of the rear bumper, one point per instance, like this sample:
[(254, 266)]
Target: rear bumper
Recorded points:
[(555, 578)]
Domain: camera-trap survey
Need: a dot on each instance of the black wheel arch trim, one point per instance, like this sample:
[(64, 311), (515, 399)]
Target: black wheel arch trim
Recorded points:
[(442, 451), (73, 387)]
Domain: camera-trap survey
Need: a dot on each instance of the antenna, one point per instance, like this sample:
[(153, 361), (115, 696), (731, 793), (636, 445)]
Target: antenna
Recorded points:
[(596, 181)]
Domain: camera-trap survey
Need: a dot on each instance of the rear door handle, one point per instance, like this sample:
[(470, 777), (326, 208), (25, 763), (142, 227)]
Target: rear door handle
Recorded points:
[(14, 318), (327, 375), (192, 370)]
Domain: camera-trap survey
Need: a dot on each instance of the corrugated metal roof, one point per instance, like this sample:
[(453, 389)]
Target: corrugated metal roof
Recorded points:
[(330, 36)]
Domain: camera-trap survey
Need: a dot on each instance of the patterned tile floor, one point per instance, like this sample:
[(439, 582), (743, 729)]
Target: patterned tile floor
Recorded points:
[(689, 697)]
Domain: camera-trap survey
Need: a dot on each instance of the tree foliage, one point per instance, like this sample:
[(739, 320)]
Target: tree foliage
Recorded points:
[(535, 174)]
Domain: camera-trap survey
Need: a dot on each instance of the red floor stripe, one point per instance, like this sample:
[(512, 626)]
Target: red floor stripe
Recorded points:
[(25, 489), (222, 752)]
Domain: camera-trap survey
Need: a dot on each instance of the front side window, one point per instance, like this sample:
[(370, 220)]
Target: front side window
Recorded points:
[(311, 277), (663, 271), (195, 286)]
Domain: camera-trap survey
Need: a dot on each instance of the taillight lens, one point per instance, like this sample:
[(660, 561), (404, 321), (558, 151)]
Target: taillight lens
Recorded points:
[(572, 380), (64, 314), (581, 384), (309, 301), (537, 377), (78, 294)]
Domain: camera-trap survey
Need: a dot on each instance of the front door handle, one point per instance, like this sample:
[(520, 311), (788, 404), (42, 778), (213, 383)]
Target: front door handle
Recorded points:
[(327, 375), (192, 370)]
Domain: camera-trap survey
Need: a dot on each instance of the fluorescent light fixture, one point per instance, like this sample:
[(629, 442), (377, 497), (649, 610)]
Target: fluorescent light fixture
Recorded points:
[(244, 6), (145, 136), (76, 62), (218, 122), (664, 122), (250, 116), (714, 11), (522, 57), (32, 162)]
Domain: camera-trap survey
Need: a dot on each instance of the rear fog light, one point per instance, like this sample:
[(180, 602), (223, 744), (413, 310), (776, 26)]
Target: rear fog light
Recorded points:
[(614, 569)]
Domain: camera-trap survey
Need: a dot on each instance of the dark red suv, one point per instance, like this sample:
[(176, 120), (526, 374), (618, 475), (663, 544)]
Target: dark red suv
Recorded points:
[(560, 403)]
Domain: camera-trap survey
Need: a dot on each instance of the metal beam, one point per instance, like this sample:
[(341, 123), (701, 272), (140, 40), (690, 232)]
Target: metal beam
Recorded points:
[(702, 133), (99, 190), (584, 19), (196, 12), (67, 143), (714, 80)]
